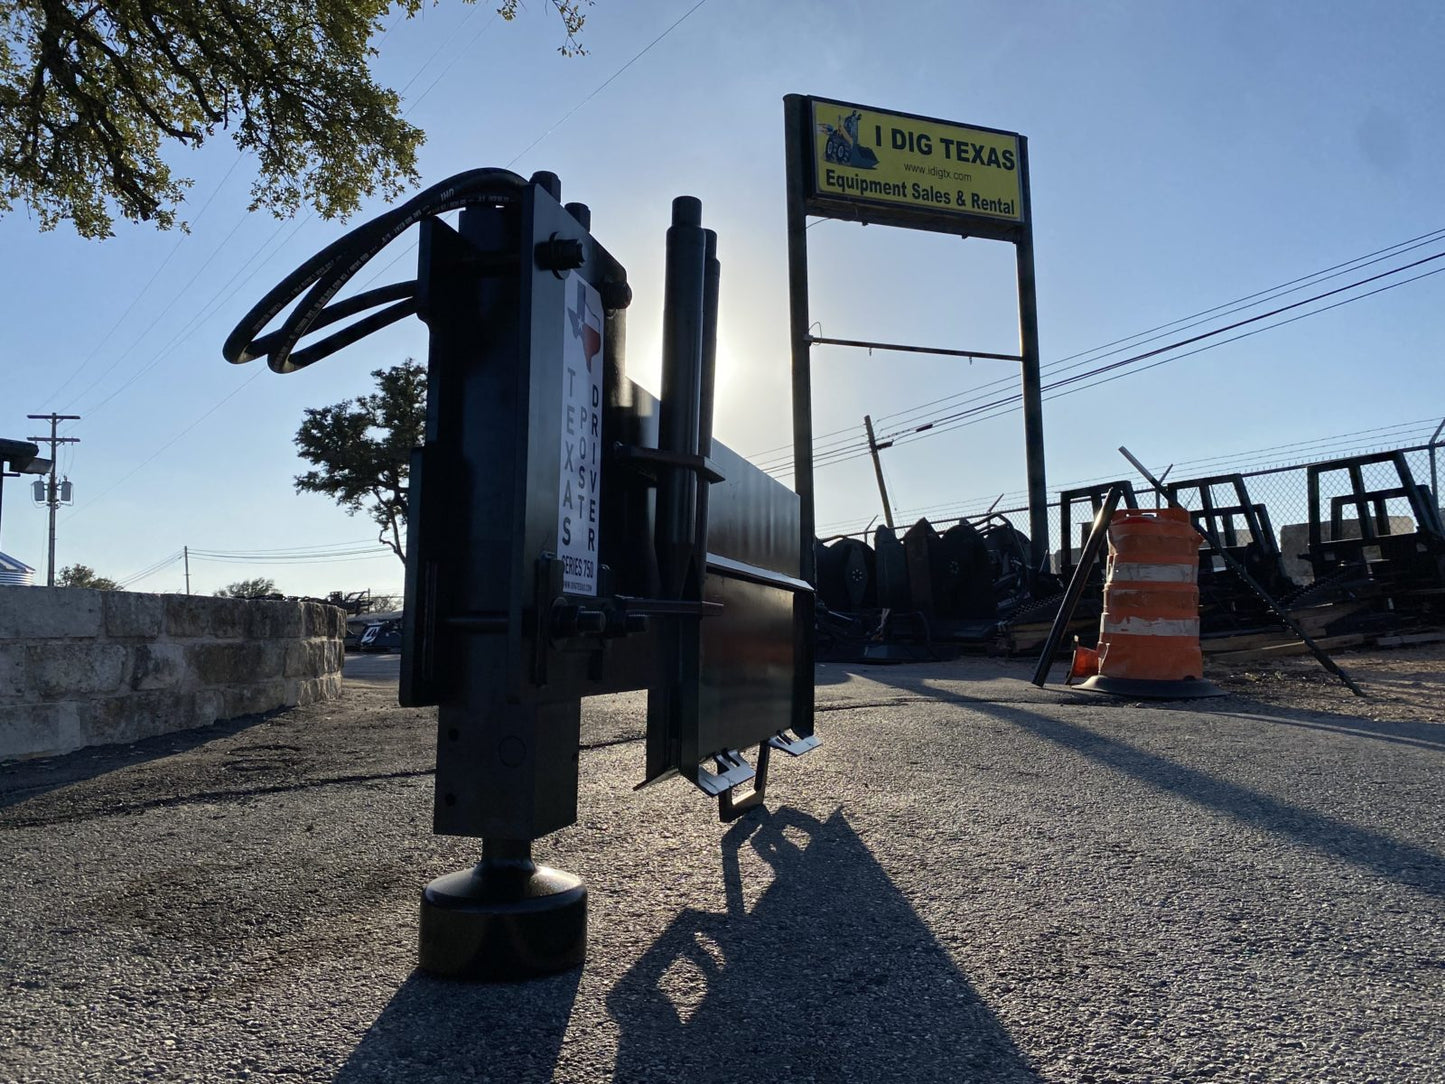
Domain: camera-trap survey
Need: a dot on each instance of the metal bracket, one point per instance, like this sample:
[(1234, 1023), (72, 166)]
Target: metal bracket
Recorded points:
[(730, 804), (732, 769), (646, 460), (794, 747)]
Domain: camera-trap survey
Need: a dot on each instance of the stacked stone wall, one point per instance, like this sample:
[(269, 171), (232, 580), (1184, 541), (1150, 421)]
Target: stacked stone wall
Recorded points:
[(81, 667)]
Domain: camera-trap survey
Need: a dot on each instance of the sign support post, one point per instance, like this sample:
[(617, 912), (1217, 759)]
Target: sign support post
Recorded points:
[(796, 124), (1033, 401)]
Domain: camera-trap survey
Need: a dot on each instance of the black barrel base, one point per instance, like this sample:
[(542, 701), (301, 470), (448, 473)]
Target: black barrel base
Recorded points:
[(1183, 689), (503, 923)]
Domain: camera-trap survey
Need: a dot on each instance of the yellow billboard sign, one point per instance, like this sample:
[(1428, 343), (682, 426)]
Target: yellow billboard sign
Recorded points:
[(868, 156)]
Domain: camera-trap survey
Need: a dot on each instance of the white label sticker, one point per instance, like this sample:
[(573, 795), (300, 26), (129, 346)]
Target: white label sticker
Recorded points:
[(580, 478)]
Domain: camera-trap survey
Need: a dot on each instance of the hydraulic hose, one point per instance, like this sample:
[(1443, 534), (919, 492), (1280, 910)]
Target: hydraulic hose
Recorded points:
[(324, 274)]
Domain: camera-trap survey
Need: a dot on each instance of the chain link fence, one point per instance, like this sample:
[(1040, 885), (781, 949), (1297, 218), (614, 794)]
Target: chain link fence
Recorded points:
[(1283, 491)]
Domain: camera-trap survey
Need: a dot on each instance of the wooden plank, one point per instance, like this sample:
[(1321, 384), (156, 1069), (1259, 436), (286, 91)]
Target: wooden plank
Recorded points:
[(1282, 650), (1410, 638)]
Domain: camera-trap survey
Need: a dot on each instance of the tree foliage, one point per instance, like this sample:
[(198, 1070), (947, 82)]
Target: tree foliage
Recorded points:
[(84, 576), (363, 449), (260, 587), (93, 93)]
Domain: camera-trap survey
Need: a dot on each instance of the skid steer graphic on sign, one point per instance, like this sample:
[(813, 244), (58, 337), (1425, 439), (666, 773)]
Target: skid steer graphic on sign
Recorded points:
[(843, 146)]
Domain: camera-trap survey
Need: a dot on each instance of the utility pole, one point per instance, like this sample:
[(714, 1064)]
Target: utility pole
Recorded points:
[(186, 552), (873, 447), (52, 494)]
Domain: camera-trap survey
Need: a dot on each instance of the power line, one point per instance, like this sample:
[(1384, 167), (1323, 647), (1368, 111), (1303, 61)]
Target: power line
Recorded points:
[(290, 555), (206, 311), (94, 350), (155, 454), (607, 82), (410, 247), (370, 555), (149, 570), (1403, 434), (293, 550), (1007, 403), (1000, 407), (1249, 301), (824, 441), (189, 329)]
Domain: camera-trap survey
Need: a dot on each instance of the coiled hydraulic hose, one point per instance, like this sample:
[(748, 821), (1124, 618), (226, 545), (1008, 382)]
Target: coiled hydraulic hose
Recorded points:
[(330, 269)]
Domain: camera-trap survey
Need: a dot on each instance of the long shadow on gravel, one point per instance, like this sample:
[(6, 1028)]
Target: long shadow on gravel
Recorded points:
[(1404, 863), (830, 977), (435, 1030), (1420, 735), (25, 779)]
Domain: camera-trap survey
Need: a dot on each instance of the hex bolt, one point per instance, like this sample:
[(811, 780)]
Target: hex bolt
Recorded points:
[(558, 254)]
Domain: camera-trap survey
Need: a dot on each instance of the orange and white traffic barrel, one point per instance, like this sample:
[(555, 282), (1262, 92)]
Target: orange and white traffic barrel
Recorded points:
[(1149, 631)]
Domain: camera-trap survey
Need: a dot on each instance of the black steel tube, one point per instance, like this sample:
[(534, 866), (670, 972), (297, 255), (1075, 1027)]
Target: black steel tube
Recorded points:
[(1088, 556), (1033, 400), (712, 274), (678, 421), (797, 140)]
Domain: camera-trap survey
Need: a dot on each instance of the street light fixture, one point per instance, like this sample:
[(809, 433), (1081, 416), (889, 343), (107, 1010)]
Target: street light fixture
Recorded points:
[(19, 457)]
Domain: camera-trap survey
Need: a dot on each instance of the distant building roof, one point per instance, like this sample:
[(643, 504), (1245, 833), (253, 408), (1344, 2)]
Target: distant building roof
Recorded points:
[(14, 572)]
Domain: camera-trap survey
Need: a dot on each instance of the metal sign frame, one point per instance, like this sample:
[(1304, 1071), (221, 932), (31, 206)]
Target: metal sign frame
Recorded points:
[(802, 200), (939, 214)]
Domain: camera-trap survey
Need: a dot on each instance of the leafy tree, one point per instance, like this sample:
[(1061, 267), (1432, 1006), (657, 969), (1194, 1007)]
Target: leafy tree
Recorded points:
[(84, 576), (363, 449), (93, 93), (260, 587)]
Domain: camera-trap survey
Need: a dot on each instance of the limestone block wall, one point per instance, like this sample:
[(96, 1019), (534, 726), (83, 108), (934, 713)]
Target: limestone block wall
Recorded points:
[(81, 667)]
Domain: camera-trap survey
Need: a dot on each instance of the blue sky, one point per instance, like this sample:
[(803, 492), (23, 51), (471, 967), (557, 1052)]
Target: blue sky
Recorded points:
[(1182, 156)]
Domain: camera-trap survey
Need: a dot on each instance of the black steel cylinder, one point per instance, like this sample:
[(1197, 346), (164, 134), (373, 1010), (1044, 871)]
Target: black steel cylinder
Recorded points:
[(712, 273), (582, 213), (549, 181), (678, 421)]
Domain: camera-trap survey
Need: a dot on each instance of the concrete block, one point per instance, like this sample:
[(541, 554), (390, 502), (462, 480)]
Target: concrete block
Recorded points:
[(210, 705), (269, 619), (187, 616), (61, 671), (302, 691), (316, 617), (14, 667), (119, 719), (237, 662), (304, 658), (335, 657), (196, 616), (228, 617), (326, 687), (49, 613), (157, 666), (253, 699), (131, 615), (32, 730)]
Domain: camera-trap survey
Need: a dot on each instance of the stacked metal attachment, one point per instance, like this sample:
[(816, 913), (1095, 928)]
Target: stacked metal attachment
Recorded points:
[(569, 535)]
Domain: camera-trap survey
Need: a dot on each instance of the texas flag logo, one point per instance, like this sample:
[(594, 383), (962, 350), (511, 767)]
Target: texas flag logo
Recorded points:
[(586, 325)]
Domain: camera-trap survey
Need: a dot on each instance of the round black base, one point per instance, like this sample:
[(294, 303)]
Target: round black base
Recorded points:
[(1183, 689), (503, 921)]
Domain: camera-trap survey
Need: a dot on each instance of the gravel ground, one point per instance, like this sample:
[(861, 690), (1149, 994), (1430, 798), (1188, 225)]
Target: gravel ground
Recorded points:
[(972, 880)]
